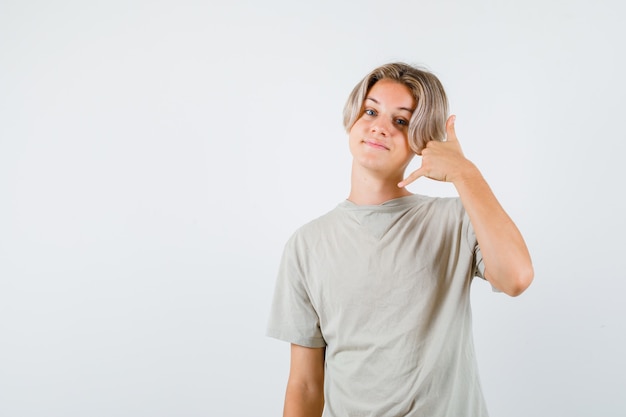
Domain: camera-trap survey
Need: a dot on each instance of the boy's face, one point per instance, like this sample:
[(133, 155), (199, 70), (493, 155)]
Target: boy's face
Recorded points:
[(378, 139)]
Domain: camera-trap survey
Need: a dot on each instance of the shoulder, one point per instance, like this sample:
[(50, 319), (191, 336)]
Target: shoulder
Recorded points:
[(315, 229), (440, 206)]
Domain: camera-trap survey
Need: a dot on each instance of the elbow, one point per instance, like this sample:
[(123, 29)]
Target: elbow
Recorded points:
[(520, 281), (512, 282)]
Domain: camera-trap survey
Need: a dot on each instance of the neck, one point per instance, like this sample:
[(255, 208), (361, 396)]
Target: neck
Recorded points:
[(367, 188)]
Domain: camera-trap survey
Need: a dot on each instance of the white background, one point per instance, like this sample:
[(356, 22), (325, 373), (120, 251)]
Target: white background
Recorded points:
[(156, 155)]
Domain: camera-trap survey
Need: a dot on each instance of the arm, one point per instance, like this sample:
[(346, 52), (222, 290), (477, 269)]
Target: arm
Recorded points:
[(508, 266), (305, 387)]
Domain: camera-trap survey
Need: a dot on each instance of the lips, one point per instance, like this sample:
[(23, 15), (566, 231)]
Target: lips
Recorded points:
[(375, 144)]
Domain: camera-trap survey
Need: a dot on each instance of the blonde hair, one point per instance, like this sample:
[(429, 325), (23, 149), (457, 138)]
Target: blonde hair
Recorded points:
[(428, 120)]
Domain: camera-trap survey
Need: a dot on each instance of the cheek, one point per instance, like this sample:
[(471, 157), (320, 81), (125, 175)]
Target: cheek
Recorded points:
[(403, 143), (355, 134), (358, 125), (353, 141), (408, 152)]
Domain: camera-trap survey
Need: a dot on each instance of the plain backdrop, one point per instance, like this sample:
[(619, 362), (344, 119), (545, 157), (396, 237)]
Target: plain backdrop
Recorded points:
[(156, 155)]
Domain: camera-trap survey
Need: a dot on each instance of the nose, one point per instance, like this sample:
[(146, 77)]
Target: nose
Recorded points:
[(381, 127)]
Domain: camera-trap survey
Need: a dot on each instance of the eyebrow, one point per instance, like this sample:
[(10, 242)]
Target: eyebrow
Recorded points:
[(399, 108)]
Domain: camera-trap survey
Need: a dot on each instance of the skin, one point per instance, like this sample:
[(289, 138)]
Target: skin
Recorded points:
[(379, 146), (305, 388)]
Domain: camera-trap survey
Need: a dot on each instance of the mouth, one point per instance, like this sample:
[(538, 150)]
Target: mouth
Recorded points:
[(375, 145)]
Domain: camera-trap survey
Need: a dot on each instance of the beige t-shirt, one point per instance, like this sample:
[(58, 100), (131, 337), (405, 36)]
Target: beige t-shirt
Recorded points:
[(386, 289)]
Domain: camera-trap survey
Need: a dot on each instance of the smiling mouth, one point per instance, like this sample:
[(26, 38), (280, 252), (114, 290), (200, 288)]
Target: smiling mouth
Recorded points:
[(375, 145)]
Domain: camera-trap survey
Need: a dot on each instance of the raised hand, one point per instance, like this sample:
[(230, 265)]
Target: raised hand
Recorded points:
[(507, 262), (441, 161)]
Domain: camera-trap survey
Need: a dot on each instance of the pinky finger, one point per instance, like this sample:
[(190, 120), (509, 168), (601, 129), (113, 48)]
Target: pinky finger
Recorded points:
[(412, 177)]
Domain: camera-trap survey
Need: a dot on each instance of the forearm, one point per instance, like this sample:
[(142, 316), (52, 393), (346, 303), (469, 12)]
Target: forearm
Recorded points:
[(508, 266), (302, 400)]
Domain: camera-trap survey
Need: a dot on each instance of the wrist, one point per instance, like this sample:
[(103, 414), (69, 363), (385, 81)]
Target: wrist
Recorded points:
[(467, 173)]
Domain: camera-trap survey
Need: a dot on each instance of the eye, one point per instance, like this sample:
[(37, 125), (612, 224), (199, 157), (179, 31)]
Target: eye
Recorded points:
[(370, 112), (402, 122)]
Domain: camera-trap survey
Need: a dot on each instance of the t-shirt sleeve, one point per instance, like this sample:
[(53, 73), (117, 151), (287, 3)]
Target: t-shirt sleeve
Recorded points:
[(478, 265), (293, 317)]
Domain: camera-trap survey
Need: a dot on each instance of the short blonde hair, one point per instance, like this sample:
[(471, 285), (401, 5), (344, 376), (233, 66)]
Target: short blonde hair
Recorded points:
[(428, 121)]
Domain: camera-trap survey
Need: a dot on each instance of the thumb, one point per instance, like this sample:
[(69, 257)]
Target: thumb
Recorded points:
[(450, 132)]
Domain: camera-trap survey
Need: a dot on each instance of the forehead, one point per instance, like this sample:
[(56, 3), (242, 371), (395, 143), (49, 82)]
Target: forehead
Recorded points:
[(391, 94)]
